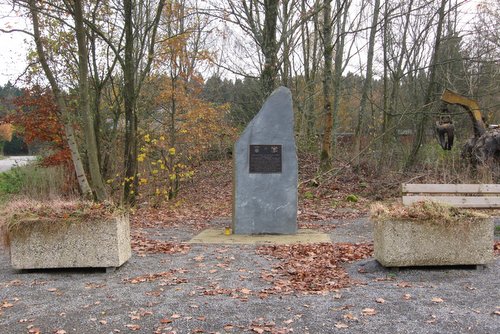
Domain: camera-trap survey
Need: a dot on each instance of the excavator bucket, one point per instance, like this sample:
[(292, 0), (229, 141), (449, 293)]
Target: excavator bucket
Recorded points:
[(445, 132)]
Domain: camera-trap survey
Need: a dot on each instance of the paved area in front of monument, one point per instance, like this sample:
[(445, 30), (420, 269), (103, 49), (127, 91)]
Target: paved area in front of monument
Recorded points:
[(218, 288), (218, 236)]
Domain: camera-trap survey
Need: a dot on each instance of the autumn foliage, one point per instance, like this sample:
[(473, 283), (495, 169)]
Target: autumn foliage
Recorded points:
[(187, 128), (194, 128), (6, 131), (37, 119)]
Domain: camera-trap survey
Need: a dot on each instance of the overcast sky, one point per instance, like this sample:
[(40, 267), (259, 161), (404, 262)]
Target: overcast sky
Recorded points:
[(14, 46)]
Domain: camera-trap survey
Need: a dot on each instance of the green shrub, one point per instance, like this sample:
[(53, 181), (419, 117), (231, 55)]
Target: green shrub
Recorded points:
[(352, 198), (308, 195), (11, 181)]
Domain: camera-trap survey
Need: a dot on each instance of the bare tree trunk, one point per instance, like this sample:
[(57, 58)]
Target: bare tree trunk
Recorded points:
[(309, 50), (61, 103), (342, 10), (84, 105), (286, 68), (269, 47), (129, 97), (390, 99), (367, 84), (431, 89), (326, 148)]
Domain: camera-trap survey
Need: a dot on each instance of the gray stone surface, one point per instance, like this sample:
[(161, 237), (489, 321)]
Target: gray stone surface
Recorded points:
[(266, 203), (429, 243), (38, 244)]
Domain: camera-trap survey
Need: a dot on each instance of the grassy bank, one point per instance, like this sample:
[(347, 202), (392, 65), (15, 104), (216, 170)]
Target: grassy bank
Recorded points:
[(35, 182)]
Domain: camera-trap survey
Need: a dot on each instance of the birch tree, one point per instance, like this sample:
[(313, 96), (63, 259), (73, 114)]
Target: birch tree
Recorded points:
[(63, 108)]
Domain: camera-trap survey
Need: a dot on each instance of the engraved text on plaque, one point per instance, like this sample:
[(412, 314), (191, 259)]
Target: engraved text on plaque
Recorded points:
[(265, 159)]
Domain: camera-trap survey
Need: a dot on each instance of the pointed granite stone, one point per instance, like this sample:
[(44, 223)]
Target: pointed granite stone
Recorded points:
[(266, 171)]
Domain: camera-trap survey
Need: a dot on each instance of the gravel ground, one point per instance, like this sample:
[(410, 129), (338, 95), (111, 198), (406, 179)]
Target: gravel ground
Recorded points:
[(215, 288)]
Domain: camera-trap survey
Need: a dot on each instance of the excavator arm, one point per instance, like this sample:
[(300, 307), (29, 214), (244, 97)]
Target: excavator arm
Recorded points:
[(484, 147), (472, 108)]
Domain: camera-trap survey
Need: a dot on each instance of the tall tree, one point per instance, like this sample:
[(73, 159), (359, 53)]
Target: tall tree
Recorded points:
[(129, 98), (326, 142), (340, 44), (270, 47), (367, 83), (310, 47), (139, 32), (431, 87), (61, 103), (84, 103)]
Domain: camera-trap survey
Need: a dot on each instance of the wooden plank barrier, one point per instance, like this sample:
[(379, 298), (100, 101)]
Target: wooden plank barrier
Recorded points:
[(481, 196)]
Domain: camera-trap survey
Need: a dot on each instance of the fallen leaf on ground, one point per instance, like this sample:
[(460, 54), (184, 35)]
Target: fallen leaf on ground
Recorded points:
[(144, 246), (437, 300), (60, 331), (133, 327), (349, 316), (380, 300), (6, 304), (369, 311), (167, 276), (341, 325), (403, 285), (406, 296), (312, 268)]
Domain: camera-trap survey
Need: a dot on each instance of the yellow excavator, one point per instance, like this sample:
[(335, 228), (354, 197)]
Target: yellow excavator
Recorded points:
[(484, 146)]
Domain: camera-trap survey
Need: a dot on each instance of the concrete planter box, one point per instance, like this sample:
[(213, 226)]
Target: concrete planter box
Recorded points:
[(37, 244), (430, 243)]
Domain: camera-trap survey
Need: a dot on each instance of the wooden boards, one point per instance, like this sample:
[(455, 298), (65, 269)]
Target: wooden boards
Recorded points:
[(458, 195)]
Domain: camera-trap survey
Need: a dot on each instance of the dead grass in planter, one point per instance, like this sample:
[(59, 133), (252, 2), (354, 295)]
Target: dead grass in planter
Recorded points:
[(423, 211), (18, 212)]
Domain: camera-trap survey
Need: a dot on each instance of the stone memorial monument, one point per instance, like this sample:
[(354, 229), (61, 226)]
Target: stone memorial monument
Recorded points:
[(265, 172)]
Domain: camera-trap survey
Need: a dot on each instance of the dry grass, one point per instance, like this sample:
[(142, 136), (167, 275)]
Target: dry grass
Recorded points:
[(19, 210), (423, 211)]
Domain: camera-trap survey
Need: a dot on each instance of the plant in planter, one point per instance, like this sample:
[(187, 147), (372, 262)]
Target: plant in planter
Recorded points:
[(431, 234), (65, 234)]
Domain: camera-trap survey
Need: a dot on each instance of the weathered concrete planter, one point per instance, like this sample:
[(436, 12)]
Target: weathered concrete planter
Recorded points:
[(37, 244), (400, 243)]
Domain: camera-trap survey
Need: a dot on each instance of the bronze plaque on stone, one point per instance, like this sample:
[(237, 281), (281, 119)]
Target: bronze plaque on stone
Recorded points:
[(265, 159)]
